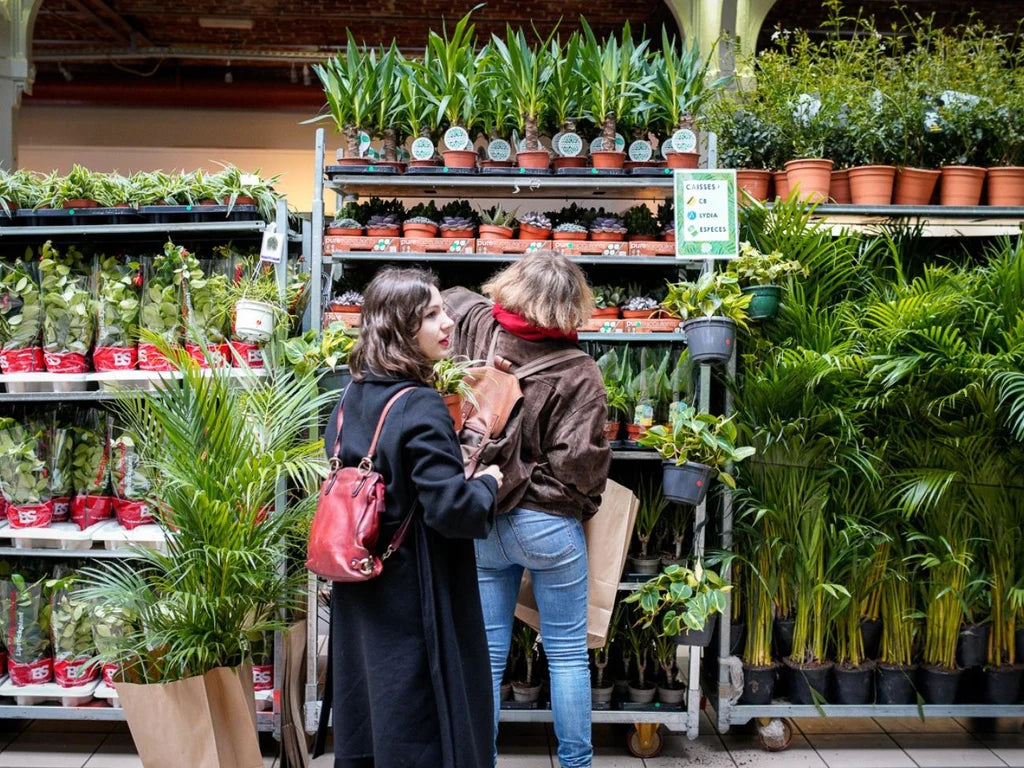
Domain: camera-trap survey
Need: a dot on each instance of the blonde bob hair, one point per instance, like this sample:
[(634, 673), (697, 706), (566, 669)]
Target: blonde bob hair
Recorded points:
[(546, 289)]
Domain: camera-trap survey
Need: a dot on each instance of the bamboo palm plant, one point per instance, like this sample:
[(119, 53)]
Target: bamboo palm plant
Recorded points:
[(522, 72), (220, 455), (386, 64), (451, 74), (565, 88)]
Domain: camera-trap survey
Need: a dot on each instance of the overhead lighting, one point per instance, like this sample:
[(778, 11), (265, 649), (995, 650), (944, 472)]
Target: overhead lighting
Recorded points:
[(224, 22)]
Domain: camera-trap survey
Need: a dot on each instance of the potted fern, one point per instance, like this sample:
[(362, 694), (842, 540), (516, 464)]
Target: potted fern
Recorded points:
[(711, 308)]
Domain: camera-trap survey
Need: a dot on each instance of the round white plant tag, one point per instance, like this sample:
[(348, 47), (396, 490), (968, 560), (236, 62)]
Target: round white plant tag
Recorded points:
[(640, 151), (684, 140), (423, 149), (456, 137), (554, 142), (620, 143), (666, 149), (570, 145), (499, 150)]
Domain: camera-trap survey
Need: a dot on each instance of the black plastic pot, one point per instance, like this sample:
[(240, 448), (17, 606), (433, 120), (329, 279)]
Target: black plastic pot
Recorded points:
[(938, 685), (686, 483), (972, 645), (871, 634), (737, 636), (894, 685), (710, 339), (758, 683), (698, 637), (1002, 684), (802, 678), (1018, 638), (782, 637), (854, 684), (336, 380)]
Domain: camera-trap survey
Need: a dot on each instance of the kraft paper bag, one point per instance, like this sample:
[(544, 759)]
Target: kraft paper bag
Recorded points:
[(608, 534), (207, 721)]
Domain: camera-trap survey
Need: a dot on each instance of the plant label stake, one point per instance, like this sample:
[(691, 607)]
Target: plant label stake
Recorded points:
[(640, 151), (684, 140), (499, 150), (272, 247), (569, 145), (423, 149), (456, 138), (597, 145), (364, 143)]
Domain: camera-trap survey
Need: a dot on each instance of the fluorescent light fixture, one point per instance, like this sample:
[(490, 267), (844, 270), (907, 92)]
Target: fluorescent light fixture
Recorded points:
[(224, 22)]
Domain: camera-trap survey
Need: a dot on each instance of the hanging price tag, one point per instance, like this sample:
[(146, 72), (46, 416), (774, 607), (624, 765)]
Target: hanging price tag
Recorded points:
[(272, 248)]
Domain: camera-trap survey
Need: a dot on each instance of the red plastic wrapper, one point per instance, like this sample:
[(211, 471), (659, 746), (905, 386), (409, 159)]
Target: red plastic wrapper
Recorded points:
[(262, 677), (89, 510), (151, 359), (65, 362), (60, 509), (220, 355), (251, 354), (72, 672), (109, 670), (27, 360), (132, 514), (30, 673), (115, 358), (30, 515)]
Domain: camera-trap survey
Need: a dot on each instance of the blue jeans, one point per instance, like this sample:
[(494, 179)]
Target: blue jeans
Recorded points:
[(555, 552)]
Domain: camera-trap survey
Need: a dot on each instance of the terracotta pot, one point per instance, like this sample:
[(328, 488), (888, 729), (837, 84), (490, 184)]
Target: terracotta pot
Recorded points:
[(496, 163), (754, 182), (638, 314), (781, 182), (569, 162), (78, 202), (961, 185), (494, 232), (611, 430), (382, 231), (914, 186), (454, 405), (872, 184), (607, 159), (683, 159), (352, 161), (810, 177), (345, 231), (459, 158), (669, 237), (605, 312), (423, 163), (240, 200), (419, 230), (568, 235), (537, 159), (634, 432), (839, 188), (1006, 186), (641, 238), (352, 309), (607, 237), (530, 232), (460, 233)]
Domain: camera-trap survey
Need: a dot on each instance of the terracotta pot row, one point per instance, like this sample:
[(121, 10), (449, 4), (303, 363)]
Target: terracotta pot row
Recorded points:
[(541, 159)]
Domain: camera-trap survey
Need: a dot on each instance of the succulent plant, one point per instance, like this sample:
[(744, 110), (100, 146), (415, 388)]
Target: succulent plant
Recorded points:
[(640, 303), (608, 224), (421, 220), (536, 219), (350, 298), (459, 209), (573, 214), (666, 216), (345, 223), (457, 223), (427, 211), (568, 227), (381, 221), (496, 216)]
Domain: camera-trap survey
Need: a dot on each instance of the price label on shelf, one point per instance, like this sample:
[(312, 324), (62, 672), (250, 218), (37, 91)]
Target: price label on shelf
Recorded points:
[(423, 149), (272, 247), (705, 211)]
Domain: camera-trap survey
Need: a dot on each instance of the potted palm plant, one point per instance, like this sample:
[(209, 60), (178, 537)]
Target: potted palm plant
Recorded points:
[(648, 514), (524, 647), (711, 308), (695, 448), (564, 97), (450, 380), (415, 116), (351, 93), (386, 65), (522, 74)]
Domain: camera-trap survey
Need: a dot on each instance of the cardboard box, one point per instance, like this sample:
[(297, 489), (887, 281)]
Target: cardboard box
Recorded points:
[(512, 246), (438, 245), (590, 248), (351, 319), (343, 243), (613, 325)]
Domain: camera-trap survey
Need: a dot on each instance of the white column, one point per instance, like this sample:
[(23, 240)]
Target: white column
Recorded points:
[(17, 17)]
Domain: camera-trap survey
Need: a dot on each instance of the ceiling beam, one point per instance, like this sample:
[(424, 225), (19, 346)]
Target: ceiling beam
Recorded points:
[(98, 8)]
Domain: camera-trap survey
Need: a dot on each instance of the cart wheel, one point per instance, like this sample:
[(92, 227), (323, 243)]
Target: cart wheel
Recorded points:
[(644, 740), (774, 735)]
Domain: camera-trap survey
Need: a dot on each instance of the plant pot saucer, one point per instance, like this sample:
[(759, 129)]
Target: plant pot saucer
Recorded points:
[(515, 171), (651, 171), (439, 170), (590, 172)]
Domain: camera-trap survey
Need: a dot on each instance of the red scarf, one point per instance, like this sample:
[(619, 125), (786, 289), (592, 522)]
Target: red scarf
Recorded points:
[(517, 325)]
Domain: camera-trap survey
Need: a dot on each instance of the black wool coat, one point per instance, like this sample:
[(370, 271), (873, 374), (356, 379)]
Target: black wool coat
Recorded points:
[(411, 674)]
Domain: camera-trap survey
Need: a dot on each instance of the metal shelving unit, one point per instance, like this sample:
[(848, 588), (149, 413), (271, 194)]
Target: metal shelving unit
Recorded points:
[(269, 722)]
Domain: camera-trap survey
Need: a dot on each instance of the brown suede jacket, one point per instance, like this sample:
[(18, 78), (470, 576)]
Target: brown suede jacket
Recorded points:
[(564, 411)]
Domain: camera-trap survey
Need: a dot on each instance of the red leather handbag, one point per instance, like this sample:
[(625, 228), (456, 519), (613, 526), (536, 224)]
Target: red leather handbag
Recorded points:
[(343, 536)]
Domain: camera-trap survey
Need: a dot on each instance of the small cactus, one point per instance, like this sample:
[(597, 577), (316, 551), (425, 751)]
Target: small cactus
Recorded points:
[(571, 228)]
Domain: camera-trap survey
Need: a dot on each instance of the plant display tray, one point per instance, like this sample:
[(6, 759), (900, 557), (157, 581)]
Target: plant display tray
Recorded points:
[(29, 695), (516, 171), (591, 248), (590, 172), (109, 693), (116, 536), (64, 536), (166, 214), (620, 325), (521, 705), (56, 216), (366, 170), (650, 171), (438, 245), (651, 248), (651, 706), (439, 170), (335, 243), (512, 246)]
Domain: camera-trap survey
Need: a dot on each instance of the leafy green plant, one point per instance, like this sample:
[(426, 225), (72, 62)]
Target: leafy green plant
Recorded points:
[(232, 183), (351, 91), (21, 308), (118, 302), (68, 303), (640, 221), (25, 619), (683, 599), (680, 84), (90, 460), (162, 298), (70, 622), (701, 438), (522, 75), (524, 647), (24, 475), (128, 473), (714, 294), (756, 268), (565, 88), (111, 189), (746, 140), (308, 353), (449, 76), (208, 300), (424, 211), (652, 506), (19, 189), (450, 376), (79, 184), (60, 456), (606, 296)]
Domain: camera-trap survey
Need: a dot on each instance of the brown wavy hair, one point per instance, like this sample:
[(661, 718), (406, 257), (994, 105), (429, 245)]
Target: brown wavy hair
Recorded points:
[(393, 305), (545, 288)]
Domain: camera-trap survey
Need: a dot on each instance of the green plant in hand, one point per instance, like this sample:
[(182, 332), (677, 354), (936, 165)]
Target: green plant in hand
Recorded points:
[(450, 376)]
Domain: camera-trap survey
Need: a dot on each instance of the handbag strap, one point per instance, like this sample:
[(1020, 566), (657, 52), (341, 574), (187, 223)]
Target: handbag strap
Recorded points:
[(336, 453)]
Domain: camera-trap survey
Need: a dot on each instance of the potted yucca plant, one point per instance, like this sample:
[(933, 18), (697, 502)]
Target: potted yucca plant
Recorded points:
[(522, 74), (450, 380)]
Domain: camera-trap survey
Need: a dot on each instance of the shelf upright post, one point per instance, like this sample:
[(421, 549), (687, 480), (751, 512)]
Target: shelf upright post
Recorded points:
[(316, 267)]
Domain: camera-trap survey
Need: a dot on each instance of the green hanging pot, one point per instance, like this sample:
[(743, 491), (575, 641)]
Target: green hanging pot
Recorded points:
[(765, 303)]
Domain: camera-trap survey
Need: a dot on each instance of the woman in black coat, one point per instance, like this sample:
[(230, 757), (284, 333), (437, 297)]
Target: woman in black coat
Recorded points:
[(409, 660)]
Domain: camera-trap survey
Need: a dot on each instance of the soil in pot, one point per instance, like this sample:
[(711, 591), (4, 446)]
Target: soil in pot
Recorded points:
[(602, 695), (671, 695), (642, 695), (871, 635), (804, 677), (1002, 684), (854, 684), (938, 685), (782, 637), (710, 339), (894, 685), (759, 683), (972, 645), (687, 483)]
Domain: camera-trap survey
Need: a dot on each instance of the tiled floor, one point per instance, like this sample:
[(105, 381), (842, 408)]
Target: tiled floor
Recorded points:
[(817, 743)]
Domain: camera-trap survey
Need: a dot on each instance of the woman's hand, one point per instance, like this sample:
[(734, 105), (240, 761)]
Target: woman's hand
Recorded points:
[(491, 471)]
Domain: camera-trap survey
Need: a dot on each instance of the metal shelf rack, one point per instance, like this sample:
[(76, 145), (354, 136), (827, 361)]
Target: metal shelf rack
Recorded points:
[(113, 231)]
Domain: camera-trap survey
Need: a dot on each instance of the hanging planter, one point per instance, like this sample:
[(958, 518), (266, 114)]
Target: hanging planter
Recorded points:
[(764, 302), (710, 339), (254, 320), (699, 638), (686, 483)]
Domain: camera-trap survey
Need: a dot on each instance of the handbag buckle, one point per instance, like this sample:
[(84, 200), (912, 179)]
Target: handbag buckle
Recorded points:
[(334, 463), (365, 466), (364, 565)]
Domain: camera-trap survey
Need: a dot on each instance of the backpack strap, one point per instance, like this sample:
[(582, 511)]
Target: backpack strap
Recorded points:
[(336, 453), (548, 361)]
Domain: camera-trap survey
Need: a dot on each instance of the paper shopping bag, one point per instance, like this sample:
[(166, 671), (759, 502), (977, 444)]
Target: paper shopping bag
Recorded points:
[(207, 721), (608, 534)]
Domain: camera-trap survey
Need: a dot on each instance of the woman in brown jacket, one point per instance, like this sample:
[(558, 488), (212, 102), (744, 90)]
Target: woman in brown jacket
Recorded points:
[(535, 308)]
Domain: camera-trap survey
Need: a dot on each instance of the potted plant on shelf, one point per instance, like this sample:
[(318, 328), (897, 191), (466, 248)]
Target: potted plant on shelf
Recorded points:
[(695, 447), (25, 483), (681, 603), (18, 189), (679, 89), (21, 318), (117, 316), (383, 217), (522, 72), (416, 114), (652, 506), (606, 301), (421, 220), (639, 305), (601, 691), (616, 79), (572, 222), (496, 223), (641, 223), (450, 380), (76, 190), (670, 691), (524, 648), (320, 356), (534, 226), (747, 143), (254, 303), (759, 274), (71, 630), (667, 221), (607, 228), (347, 222), (90, 474), (711, 308), (351, 92), (386, 67), (458, 219), (639, 639), (208, 305), (564, 97), (237, 187), (68, 310), (162, 304), (26, 626)]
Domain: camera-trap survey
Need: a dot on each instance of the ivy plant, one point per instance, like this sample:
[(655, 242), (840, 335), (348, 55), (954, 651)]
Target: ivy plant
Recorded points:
[(119, 302), (68, 307)]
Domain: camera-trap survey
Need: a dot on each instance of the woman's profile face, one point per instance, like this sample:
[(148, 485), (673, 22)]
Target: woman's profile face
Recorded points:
[(434, 335)]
